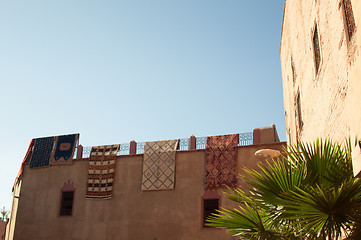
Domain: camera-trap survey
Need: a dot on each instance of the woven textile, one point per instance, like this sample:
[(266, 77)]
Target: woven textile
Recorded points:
[(221, 161), (159, 165), (101, 171), (64, 149), (42, 151)]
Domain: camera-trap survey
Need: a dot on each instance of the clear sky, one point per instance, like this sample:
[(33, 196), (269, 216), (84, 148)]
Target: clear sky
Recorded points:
[(146, 70)]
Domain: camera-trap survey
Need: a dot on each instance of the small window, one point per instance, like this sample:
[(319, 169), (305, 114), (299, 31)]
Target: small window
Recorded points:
[(66, 203), (298, 111), (349, 18), (209, 206), (294, 75), (66, 208), (316, 49)]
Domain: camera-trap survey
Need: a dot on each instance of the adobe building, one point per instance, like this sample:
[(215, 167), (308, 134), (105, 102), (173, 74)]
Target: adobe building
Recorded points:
[(2, 229), (111, 192), (321, 71)]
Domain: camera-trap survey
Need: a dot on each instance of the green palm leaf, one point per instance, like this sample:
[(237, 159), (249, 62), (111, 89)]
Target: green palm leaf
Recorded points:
[(326, 211), (309, 193), (246, 223)]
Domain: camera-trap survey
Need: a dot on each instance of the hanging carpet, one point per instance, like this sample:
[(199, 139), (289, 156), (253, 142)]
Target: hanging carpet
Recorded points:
[(221, 161), (64, 149), (101, 171), (42, 151), (159, 165)]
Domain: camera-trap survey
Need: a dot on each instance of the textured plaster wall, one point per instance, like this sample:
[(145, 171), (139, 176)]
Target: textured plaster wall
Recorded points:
[(10, 227), (130, 213), (329, 99)]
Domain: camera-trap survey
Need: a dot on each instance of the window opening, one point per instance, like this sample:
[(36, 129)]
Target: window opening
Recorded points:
[(66, 207), (293, 71), (349, 18), (209, 206), (298, 111), (316, 49)]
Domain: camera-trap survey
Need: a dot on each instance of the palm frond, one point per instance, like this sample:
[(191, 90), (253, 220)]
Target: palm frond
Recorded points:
[(246, 223), (308, 193), (273, 180), (327, 163), (325, 211)]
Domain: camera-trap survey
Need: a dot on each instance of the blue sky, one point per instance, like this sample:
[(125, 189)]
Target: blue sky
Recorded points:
[(115, 71)]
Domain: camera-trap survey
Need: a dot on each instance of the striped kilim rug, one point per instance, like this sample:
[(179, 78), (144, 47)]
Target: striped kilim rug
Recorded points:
[(159, 165), (221, 161), (64, 149), (101, 171), (42, 151)]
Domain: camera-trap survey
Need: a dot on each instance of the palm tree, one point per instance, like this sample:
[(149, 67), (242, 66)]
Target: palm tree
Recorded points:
[(307, 193)]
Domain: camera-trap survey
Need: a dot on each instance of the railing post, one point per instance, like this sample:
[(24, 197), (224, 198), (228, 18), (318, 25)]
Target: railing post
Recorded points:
[(192, 143), (133, 147), (79, 153)]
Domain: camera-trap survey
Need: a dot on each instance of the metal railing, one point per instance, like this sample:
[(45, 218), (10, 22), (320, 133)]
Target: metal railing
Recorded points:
[(184, 145), (124, 149), (245, 139), (201, 142), (140, 147), (86, 152)]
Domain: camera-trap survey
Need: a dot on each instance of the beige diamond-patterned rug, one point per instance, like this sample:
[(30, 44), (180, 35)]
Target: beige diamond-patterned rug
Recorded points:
[(159, 165)]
